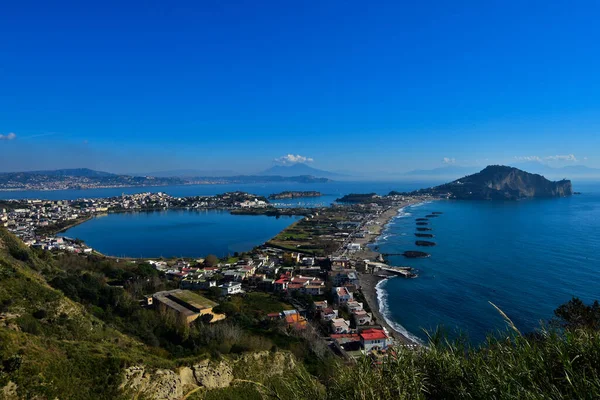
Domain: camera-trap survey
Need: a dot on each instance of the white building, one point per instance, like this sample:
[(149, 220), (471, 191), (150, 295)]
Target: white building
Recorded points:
[(231, 288), (374, 339)]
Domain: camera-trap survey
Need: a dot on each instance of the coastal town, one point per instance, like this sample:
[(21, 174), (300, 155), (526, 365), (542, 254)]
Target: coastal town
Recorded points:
[(321, 265)]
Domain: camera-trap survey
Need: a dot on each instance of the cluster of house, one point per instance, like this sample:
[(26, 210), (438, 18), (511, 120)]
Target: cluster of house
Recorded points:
[(342, 315)]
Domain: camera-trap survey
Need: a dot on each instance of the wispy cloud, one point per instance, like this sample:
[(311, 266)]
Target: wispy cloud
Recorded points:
[(528, 158), (8, 136), (448, 160), (568, 157), (293, 159)]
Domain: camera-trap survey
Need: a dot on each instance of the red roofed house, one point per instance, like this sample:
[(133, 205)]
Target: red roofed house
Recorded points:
[(281, 285), (374, 339)]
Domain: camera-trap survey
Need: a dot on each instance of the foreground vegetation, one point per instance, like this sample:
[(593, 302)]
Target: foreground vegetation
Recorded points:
[(70, 326)]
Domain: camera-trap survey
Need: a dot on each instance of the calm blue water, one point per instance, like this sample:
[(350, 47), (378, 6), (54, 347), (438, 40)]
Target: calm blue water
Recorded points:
[(330, 190), (177, 233), (526, 257)]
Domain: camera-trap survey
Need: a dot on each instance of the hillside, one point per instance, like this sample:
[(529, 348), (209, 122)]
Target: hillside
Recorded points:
[(102, 346), (497, 182), (76, 179), (79, 172), (52, 347)]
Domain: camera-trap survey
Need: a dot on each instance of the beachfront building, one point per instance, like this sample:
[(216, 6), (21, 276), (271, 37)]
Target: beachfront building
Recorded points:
[(342, 295), (354, 306), (339, 325), (374, 339), (187, 305), (342, 277), (353, 246), (361, 317)]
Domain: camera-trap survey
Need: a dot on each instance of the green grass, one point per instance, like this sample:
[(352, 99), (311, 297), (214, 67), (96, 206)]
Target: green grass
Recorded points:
[(195, 299), (259, 304)]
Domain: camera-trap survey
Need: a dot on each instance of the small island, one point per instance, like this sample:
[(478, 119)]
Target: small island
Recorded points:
[(421, 219), (357, 198), (294, 195), (421, 229), (422, 223), (424, 243)]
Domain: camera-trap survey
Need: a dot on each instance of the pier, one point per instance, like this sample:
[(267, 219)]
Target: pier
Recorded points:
[(405, 272)]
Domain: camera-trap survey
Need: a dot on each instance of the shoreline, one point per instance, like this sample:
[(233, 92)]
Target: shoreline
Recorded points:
[(370, 283)]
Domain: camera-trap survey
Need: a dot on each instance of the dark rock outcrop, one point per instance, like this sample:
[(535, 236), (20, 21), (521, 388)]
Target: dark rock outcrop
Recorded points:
[(416, 254), (424, 235)]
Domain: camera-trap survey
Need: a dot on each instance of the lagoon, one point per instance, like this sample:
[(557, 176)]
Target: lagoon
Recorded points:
[(177, 233)]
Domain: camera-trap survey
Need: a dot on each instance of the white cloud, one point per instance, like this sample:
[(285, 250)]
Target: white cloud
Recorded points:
[(448, 160), (568, 157), (293, 159), (8, 136), (528, 158)]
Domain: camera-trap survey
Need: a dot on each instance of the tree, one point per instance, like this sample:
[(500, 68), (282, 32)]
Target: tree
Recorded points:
[(575, 314), (211, 260)]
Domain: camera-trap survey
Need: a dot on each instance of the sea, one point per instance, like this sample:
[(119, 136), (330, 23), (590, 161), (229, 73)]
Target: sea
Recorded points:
[(526, 257)]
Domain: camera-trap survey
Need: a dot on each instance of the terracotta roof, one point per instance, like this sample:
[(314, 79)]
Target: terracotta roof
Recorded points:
[(373, 334)]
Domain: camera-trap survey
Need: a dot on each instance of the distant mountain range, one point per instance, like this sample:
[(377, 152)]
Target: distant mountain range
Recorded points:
[(499, 182), (79, 172), (84, 178), (298, 170), (188, 173)]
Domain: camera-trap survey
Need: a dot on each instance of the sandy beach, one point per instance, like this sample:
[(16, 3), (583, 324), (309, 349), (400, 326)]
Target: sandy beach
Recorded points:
[(368, 282)]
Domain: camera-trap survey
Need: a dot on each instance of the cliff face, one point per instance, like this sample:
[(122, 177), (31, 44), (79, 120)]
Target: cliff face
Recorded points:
[(498, 182)]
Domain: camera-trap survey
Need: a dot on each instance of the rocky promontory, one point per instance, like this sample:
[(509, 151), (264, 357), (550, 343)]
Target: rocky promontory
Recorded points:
[(499, 182)]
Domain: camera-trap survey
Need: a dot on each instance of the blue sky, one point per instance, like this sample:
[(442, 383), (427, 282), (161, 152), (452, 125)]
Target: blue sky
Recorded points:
[(374, 86)]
